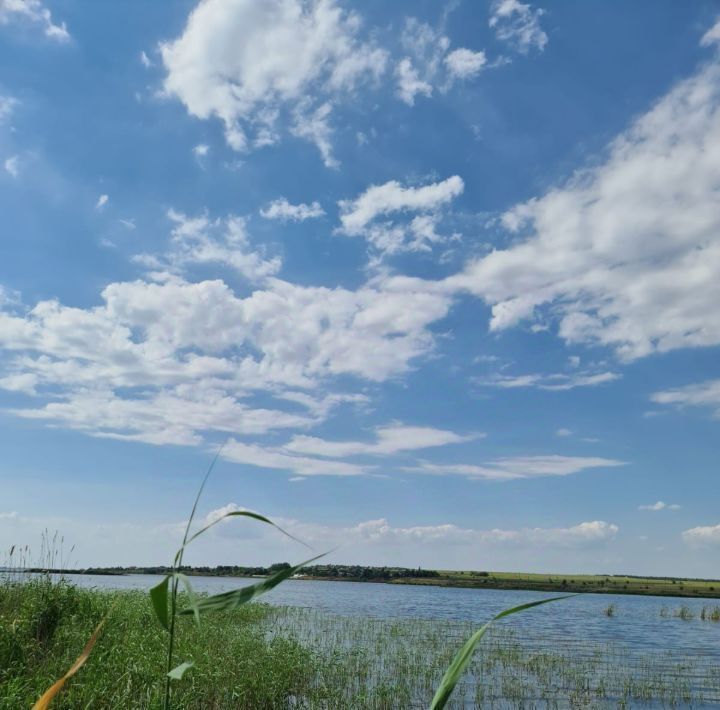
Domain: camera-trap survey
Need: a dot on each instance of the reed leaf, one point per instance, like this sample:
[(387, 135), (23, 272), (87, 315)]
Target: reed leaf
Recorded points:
[(461, 660), (246, 514), (47, 697), (236, 597), (159, 598), (179, 671)]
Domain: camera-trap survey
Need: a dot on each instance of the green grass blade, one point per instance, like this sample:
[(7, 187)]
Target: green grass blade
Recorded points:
[(159, 598), (179, 671), (246, 514), (185, 581), (178, 555), (237, 597), (461, 660)]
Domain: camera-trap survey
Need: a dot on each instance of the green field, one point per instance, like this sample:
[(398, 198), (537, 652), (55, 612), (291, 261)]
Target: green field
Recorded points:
[(598, 584)]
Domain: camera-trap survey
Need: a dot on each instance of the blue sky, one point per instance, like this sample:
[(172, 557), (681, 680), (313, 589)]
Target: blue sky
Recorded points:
[(443, 275)]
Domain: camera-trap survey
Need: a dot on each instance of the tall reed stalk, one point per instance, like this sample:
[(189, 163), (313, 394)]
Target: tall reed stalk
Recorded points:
[(168, 587)]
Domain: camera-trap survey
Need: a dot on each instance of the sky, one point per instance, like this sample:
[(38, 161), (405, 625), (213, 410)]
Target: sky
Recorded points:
[(440, 278)]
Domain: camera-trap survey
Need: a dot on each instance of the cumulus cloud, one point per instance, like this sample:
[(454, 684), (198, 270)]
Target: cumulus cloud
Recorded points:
[(429, 63), (201, 150), (284, 211), (381, 214), (464, 63), (250, 64), (12, 166), (389, 439), (518, 24), (517, 467), (7, 107), (101, 202), (382, 532), (409, 82), (702, 535), (202, 240), (712, 36), (624, 254), (702, 394), (33, 12), (313, 124), (659, 505), (167, 360)]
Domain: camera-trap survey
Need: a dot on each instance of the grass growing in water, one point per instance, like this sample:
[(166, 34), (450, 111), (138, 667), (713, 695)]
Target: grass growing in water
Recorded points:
[(685, 613), (268, 657), (710, 613)]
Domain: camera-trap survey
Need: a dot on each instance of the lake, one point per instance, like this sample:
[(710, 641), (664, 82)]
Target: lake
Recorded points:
[(569, 654), (637, 621)]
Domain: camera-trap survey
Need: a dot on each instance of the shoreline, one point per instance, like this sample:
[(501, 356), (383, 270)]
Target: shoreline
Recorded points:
[(588, 584)]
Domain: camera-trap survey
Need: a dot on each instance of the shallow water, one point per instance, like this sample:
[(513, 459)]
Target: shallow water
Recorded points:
[(637, 622), (638, 656)]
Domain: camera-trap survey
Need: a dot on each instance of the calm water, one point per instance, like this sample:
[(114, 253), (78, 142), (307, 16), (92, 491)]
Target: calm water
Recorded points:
[(637, 624)]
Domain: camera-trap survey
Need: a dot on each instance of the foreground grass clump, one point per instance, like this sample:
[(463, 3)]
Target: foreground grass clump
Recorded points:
[(44, 626), (262, 656)]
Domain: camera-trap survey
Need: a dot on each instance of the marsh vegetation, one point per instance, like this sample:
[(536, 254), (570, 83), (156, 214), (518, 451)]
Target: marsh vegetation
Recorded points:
[(264, 656)]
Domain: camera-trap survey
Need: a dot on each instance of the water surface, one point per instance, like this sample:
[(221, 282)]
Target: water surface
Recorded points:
[(637, 622)]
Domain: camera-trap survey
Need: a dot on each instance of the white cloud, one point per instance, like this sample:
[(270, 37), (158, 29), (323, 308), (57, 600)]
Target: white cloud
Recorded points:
[(518, 24), (284, 211), (389, 439), (660, 505), (129, 224), (7, 107), (563, 432), (379, 200), (464, 63), (712, 36), (35, 12), (625, 254), (19, 383), (255, 455), (430, 64), (249, 64), (366, 542), (313, 125), (201, 150), (517, 467), (101, 202), (174, 415), (201, 240), (703, 535), (169, 361), (359, 217), (381, 532), (702, 394), (410, 84), (12, 165), (145, 60), (553, 382)]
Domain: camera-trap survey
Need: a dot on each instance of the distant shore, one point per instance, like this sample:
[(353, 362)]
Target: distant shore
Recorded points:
[(596, 584)]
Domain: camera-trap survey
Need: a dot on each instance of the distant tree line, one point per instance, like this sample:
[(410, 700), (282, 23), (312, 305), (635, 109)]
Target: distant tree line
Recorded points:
[(348, 572)]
